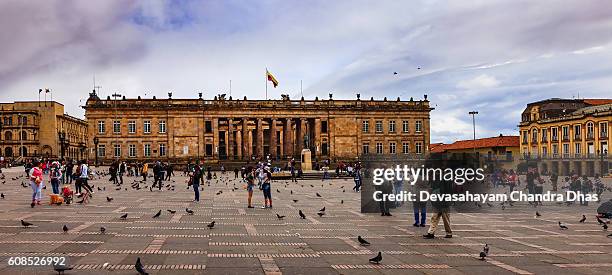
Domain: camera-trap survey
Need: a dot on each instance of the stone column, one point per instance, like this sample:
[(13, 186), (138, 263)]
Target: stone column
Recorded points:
[(316, 142), (260, 139), (300, 137), (215, 125), (239, 144), (230, 139), (246, 150), (273, 138), (288, 139)]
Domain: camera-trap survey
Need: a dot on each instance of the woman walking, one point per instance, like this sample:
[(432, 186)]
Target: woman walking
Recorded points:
[(267, 188), (250, 179), (36, 182)]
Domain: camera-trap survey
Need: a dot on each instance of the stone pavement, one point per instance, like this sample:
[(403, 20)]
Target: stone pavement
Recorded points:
[(254, 241)]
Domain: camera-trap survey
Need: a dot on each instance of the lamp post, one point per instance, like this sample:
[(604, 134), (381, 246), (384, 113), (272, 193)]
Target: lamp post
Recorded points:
[(20, 120), (82, 148), (474, 113), (96, 140)]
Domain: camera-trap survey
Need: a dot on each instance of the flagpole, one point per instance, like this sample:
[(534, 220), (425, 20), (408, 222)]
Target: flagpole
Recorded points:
[(266, 83)]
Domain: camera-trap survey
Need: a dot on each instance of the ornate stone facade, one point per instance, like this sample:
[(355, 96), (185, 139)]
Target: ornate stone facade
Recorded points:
[(222, 129), (36, 129)]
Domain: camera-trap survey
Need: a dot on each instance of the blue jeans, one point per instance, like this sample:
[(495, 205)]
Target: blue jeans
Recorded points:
[(422, 207), (196, 191), (267, 191), (55, 185)]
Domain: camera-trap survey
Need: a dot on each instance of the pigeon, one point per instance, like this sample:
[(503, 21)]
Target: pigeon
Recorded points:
[(342, 202), (171, 211), (279, 216), (109, 199), (277, 191), (291, 192), (605, 227), (537, 214), (485, 249), (157, 215), (65, 229), (2, 195), (302, 214), (321, 214), (211, 225), (609, 235), (295, 201), (61, 268), (562, 226), (362, 241), (25, 224), (189, 211), (124, 216), (102, 230), (394, 73), (583, 219), (377, 259), (140, 268), (322, 209), (489, 204), (318, 195), (483, 255)]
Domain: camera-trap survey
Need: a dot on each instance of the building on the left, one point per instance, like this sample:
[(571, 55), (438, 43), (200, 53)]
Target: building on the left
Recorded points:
[(40, 129)]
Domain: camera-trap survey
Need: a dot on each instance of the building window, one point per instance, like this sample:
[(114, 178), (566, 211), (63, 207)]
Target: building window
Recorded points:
[(525, 137), (565, 150), (590, 130), (101, 150), (117, 127), (577, 148), (555, 134), (324, 126), (132, 150), (418, 148), (162, 126), (132, 127), (565, 132), (365, 148), (534, 135), (147, 150), (405, 127), (418, 126), (405, 148), (392, 148), (209, 150), (379, 126), (392, 126), (147, 127), (555, 149), (544, 135), (208, 126), (117, 150), (101, 127), (162, 150), (324, 149), (603, 130), (544, 151), (577, 134), (24, 135), (379, 148), (365, 126)]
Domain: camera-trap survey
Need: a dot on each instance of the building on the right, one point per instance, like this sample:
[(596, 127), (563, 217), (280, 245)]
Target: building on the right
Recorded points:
[(567, 135)]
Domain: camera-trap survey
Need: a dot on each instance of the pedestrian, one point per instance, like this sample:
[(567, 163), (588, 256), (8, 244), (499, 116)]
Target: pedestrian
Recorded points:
[(195, 179), (512, 177), (122, 170), (267, 188), (357, 179), (419, 208), (250, 180), (36, 182), (442, 210), (145, 171), (169, 171), (586, 188), (236, 171), (84, 177), (554, 178), (55, 175)]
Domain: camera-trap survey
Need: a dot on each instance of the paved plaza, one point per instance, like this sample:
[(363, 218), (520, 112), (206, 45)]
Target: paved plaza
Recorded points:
[(255, 241)]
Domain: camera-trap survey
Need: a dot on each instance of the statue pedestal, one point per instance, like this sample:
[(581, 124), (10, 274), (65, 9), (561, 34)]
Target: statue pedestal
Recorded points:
[(306, 160)]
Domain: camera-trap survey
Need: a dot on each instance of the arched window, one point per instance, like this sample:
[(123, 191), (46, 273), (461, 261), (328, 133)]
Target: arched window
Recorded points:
[(24, 135), (8, 135), (590, 130), (8, 151), (23, 151)]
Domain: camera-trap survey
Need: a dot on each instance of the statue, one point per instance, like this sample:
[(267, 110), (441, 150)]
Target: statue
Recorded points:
[(306, 142)]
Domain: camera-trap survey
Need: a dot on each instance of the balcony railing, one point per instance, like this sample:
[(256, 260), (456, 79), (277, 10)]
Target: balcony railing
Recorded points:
[(555, 138), (590, 136), (565, 138), (577, 138), (603, 135), (588, 156)]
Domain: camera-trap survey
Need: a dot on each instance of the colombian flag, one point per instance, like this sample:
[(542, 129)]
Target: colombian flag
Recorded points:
[(271, 78)]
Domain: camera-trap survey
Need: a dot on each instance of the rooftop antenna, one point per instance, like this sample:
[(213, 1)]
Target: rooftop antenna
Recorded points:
[(301, 91), (230, 87)]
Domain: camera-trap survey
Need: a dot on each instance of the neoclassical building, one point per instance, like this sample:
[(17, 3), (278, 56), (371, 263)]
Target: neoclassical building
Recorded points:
[(179, 130), (567, 135), (40, 129)]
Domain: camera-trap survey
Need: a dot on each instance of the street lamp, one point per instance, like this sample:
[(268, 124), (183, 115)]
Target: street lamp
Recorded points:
[(474, 113), (96, 140)]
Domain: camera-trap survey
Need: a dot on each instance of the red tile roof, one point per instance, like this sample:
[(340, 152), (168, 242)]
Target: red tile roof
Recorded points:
[(500, 141), (597, 101)]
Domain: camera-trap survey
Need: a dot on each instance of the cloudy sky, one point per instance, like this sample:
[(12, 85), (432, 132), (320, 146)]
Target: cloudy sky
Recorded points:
[(490, 56)]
